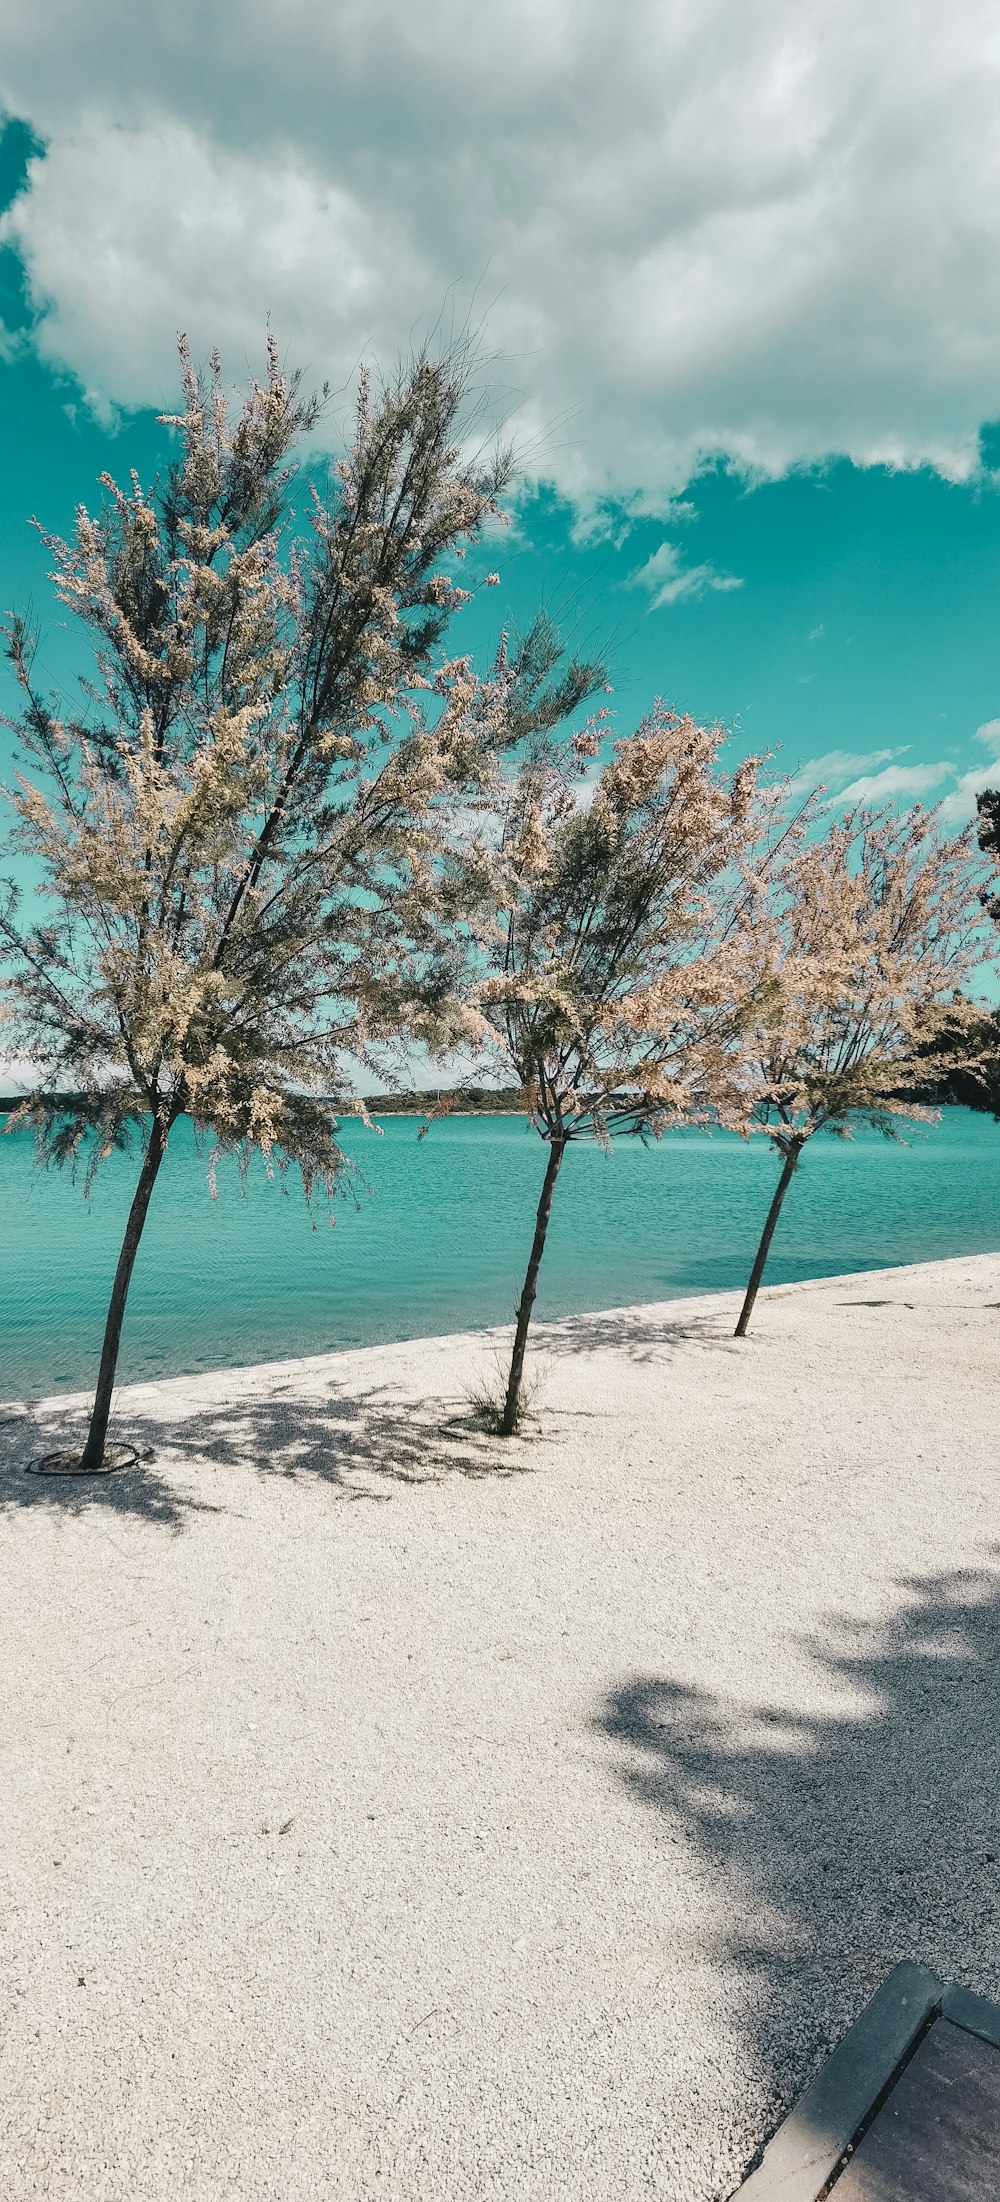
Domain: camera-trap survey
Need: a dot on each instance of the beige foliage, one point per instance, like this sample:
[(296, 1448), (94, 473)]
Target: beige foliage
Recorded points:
[(611, 982), (231, 833), (234, 833), (855, 946)]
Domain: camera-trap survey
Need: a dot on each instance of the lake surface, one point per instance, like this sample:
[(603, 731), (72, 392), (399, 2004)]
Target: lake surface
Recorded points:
[(439, 1233)]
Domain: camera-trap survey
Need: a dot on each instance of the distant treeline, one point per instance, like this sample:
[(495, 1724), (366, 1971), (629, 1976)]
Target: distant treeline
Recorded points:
[(962, 1088), (463, 1101)]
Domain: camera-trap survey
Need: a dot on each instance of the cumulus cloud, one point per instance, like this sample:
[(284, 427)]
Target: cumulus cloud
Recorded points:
[(837, 767), (872, 776), (875, 776), (763, 228), (910, 781), (666, 578), (611, 520), (960, 804)]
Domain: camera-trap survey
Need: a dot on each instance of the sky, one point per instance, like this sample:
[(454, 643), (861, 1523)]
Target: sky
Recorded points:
[(736, 265)]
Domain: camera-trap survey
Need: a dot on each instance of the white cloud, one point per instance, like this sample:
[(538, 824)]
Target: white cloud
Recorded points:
[(759, 227), (851, 776), (910, 781), (667, 579), (838, 766), (610, 520), (960, 805), (184, 233)]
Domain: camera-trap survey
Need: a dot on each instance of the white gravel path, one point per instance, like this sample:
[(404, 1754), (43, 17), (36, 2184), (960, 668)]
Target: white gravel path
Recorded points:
[(385, 1811)]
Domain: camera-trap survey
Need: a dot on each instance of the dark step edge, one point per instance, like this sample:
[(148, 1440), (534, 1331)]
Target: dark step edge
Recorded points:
[(810, 2144)]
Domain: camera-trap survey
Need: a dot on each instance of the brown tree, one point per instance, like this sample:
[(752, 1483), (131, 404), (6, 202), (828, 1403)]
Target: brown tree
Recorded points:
[(609, 989), (855, 945), (232, 833)]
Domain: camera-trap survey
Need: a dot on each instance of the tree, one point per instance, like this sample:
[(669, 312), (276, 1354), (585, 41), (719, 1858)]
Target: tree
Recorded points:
[(967, 1050), (988, 813), (966, 1061), (855, 947), (608, 992), (232, 832)]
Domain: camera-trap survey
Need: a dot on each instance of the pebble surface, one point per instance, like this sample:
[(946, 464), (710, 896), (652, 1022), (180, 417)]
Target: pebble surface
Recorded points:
[(388, 1810)]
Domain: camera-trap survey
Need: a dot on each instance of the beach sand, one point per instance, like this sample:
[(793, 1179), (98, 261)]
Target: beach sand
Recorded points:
[(389, 1811)]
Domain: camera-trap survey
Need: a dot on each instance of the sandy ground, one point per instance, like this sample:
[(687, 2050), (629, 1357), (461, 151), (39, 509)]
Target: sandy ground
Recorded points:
[(388, 1811)]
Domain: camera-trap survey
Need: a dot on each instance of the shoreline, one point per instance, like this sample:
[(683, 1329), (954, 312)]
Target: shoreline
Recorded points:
[(704, 1305)]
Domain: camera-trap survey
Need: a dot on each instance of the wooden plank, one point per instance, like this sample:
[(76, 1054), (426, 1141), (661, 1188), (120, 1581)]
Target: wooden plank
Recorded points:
[(937, 2136), (808, 2147)]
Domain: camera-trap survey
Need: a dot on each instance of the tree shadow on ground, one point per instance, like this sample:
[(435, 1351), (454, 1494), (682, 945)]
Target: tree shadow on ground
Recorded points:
[(361, 1445), (636, 1331), (844, 1841), (145, 1492)]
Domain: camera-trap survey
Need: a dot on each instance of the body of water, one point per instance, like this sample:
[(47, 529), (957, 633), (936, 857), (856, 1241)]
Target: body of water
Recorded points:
[(438, 1237)]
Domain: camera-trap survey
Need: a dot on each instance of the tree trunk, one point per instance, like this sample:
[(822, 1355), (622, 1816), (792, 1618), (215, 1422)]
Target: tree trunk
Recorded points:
[(93, 1451), (557, 1148), (756, 1273)]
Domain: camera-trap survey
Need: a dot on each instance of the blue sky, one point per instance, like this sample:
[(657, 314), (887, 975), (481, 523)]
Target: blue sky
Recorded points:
[(738, 267)]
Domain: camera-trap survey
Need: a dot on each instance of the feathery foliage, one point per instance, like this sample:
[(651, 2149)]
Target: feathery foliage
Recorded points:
[(609, 983), (234, 832), (854, 946)]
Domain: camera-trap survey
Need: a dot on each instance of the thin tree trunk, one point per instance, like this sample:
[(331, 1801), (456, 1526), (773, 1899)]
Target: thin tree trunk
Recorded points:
[(557, 1148), (756, 1273), (93, 1451)]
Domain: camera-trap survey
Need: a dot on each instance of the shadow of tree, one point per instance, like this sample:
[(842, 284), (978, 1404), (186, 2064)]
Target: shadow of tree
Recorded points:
[(840, 1841), (640, 1332), (360, 1444), (145, 1492)]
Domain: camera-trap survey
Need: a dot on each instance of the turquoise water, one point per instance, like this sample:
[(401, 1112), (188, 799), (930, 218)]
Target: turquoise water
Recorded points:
[(439, 1241)]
